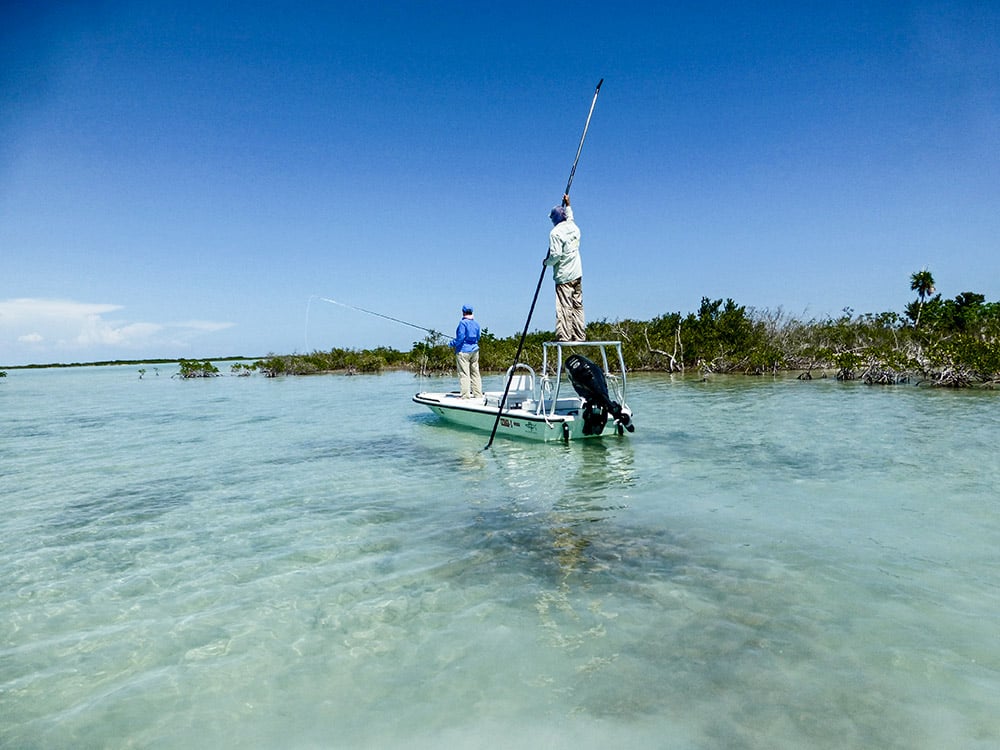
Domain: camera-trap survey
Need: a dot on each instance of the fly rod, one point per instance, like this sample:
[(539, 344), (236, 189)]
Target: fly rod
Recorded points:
[(538, 286), (431, 331)]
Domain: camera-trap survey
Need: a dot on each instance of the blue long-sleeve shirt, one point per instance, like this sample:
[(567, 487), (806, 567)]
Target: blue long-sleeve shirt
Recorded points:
[(466, 336)]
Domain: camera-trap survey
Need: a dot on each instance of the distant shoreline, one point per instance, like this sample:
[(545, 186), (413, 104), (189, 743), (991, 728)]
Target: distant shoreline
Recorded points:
[(109, 363)]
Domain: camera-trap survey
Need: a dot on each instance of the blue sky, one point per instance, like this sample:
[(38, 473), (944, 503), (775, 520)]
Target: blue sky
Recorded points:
[(187, 179)]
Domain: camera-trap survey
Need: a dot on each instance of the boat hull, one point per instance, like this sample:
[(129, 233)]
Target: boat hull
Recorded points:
[(513, 422)]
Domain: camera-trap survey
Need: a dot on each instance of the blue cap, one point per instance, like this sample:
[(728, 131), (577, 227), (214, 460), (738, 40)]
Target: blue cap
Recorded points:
[(466, 309), (557, 214)]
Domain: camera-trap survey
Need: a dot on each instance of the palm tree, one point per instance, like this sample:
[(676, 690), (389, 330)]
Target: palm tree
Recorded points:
[(922, 282)]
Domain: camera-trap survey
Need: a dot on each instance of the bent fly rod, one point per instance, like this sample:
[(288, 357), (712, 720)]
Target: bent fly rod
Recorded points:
[(538, 286)]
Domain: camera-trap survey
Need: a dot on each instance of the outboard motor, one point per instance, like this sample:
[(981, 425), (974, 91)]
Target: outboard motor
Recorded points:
[(590, 384)]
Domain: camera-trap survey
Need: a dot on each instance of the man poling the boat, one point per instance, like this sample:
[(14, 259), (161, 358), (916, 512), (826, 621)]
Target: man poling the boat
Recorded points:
[(567, 273), (538, 286)]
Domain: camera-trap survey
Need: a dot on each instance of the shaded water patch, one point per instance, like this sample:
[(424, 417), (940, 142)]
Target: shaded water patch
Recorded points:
[(125, 506)]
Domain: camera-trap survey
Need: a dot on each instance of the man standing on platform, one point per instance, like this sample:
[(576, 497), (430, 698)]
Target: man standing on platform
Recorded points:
[(567, 272)]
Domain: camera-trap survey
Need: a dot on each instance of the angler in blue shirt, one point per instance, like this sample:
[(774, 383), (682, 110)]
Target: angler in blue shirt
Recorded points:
[(466, 346)]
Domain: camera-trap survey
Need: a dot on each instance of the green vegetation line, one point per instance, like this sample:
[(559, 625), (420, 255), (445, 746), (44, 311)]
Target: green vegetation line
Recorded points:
[(943, 342)]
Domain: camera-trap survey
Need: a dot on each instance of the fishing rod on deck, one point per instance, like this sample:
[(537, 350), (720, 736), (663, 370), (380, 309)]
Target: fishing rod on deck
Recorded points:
[(538, 286)]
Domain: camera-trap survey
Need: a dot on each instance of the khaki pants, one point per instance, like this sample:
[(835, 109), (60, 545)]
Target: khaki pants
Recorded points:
[(468, 373), (570, 325)]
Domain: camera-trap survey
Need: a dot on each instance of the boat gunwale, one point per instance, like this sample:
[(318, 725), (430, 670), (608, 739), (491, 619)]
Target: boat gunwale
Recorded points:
[(424, 398)]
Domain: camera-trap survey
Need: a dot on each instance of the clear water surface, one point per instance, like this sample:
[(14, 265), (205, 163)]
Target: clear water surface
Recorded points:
[(319, 563)]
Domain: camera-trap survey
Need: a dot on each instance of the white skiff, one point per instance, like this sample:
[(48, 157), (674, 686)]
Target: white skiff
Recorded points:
[(588, 402)]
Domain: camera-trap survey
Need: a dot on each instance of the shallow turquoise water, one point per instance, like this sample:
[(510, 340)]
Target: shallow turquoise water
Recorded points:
[(319, 563)]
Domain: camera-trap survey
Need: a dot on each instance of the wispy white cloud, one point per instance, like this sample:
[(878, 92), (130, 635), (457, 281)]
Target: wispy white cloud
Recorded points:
[(26, 308), (35, 326)]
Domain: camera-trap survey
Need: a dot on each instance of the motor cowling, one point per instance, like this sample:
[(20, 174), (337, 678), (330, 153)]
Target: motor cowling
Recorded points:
[(590, 384)]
